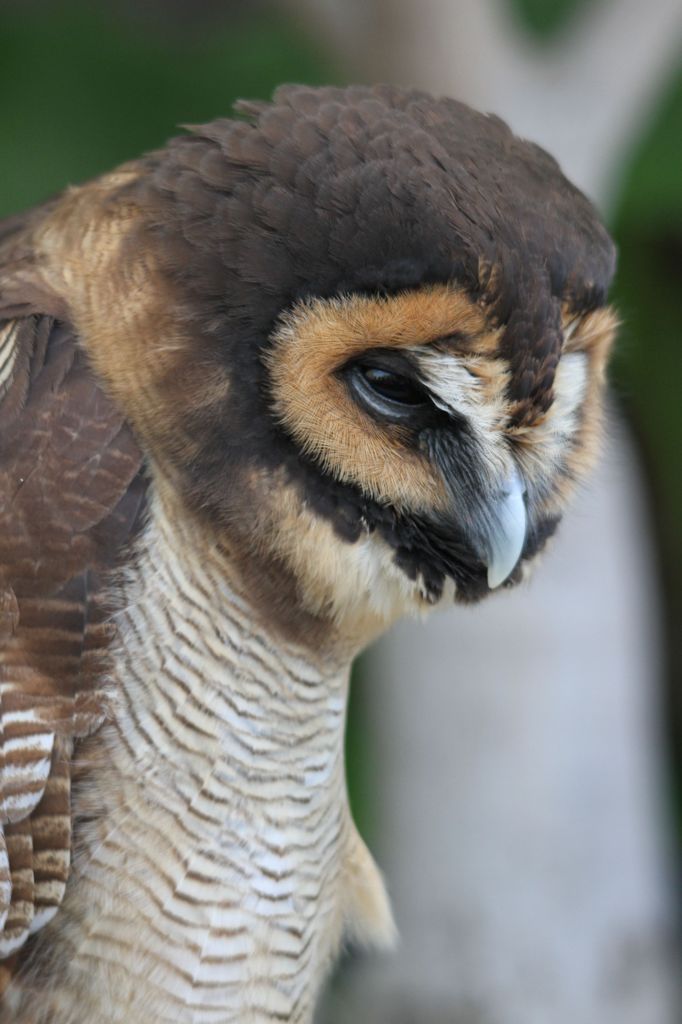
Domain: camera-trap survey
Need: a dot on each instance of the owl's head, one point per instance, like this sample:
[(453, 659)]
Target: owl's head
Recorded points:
[(375, 357)]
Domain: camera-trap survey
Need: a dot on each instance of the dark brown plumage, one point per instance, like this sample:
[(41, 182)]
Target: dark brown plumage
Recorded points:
[(71, 486)]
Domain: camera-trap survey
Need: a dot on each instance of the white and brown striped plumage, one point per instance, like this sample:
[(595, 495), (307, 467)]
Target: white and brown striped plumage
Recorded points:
[(261, 393)]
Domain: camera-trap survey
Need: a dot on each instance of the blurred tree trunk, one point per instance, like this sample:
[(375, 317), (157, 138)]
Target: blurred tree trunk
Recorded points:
[(519, 771)]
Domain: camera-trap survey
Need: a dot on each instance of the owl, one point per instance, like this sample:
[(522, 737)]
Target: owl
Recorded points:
[(337, 359)]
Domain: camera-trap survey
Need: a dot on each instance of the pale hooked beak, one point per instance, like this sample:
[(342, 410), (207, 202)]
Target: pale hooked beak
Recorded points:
[(507, 531)]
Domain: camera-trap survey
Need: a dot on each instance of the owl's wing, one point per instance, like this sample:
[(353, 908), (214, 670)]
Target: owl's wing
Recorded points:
[(71, 492)]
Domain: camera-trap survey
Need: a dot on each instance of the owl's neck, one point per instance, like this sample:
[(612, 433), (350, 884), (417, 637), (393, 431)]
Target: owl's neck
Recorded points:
[(202, 676), (226, 863)]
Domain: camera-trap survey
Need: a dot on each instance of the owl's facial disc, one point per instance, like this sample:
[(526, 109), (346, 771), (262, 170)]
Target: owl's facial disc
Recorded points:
[(401, 405)]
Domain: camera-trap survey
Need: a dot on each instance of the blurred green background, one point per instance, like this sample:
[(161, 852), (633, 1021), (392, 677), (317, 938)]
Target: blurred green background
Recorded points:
[(85, 87)]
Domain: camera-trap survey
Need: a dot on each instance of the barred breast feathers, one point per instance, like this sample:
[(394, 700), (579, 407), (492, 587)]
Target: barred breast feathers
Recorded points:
[(219, 866)]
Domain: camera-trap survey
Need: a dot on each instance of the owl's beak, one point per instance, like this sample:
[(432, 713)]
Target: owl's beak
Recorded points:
[(507, 531)]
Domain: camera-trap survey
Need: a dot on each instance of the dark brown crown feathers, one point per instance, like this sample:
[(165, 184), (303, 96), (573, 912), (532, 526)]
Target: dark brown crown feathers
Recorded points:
[(378, 189)]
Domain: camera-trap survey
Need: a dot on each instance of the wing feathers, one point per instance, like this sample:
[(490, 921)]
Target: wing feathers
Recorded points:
[(71, 494), (22, 896)]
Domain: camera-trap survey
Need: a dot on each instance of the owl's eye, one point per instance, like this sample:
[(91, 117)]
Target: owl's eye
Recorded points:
[(393, 386), (387, 392)]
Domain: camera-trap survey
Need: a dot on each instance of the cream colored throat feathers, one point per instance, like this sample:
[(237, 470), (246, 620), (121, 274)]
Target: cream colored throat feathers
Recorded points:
[(222, 867)]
